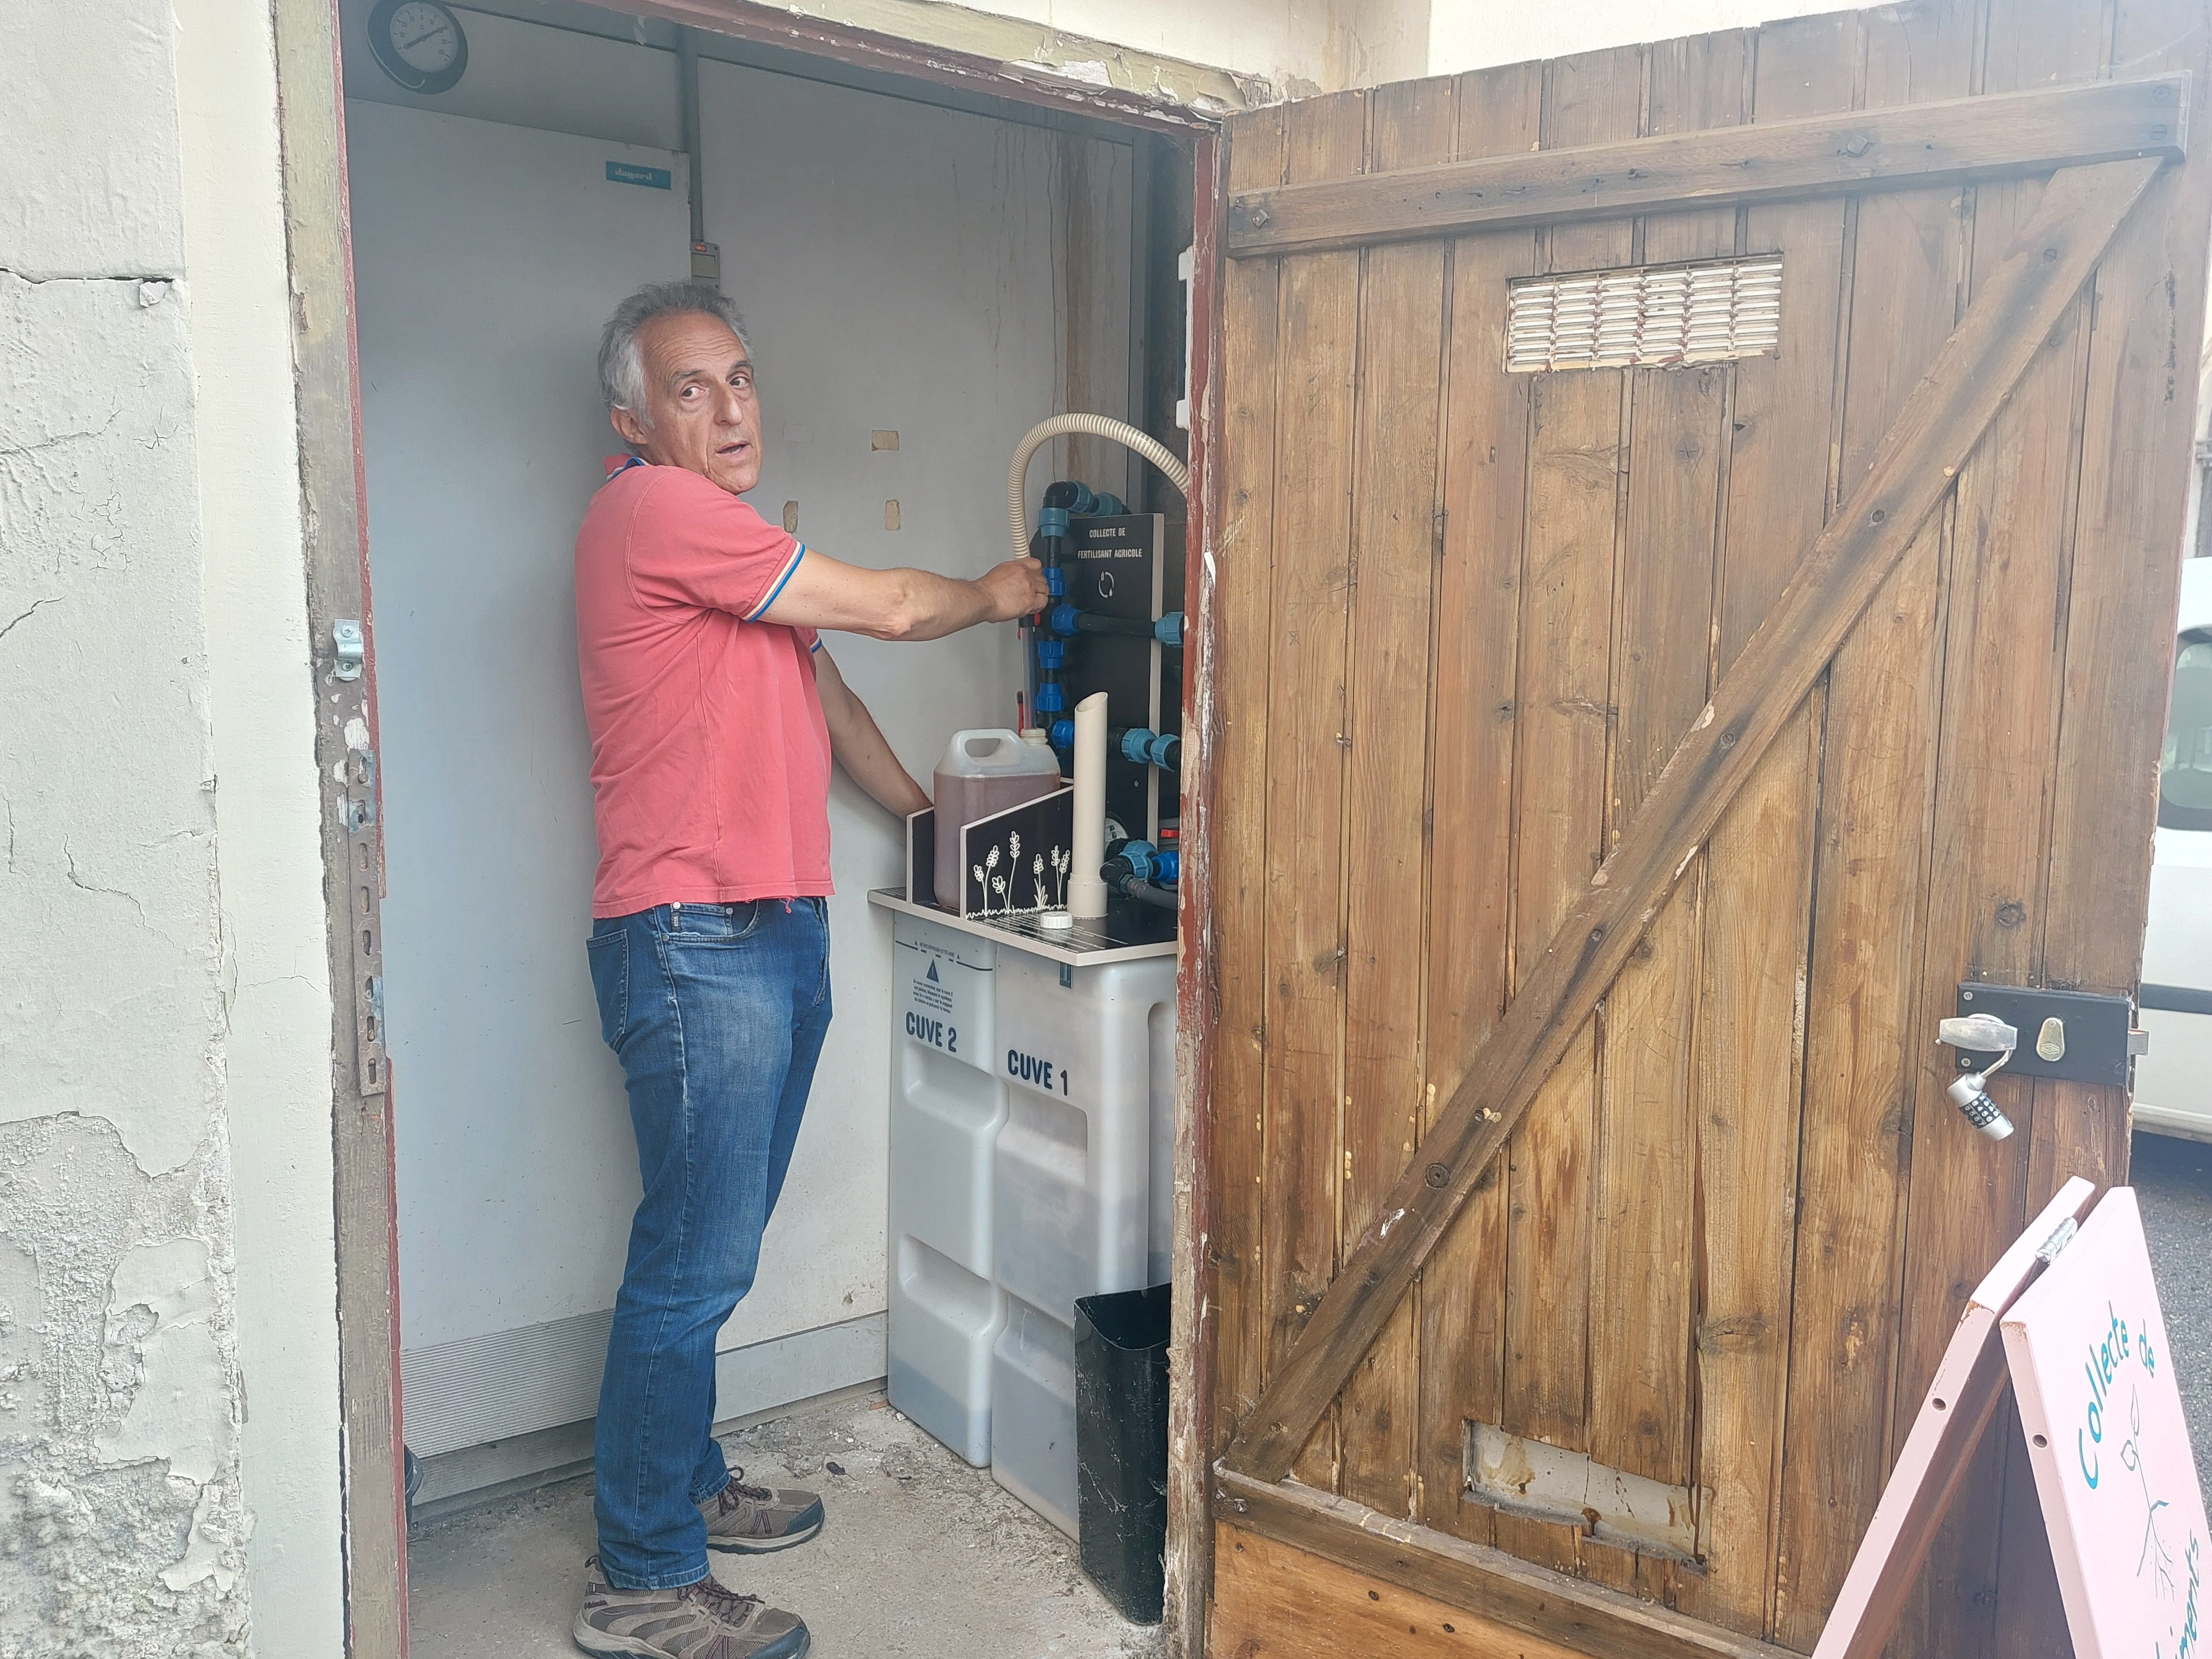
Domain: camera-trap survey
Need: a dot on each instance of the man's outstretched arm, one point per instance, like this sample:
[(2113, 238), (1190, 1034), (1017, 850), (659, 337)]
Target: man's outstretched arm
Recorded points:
[(860, 747), (823, 592)]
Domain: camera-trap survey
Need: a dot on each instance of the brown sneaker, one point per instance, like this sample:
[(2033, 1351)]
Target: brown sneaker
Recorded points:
[(699, 1621), (754, 1519)]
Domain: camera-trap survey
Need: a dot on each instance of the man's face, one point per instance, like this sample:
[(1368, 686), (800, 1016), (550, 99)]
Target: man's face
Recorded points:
[(701, 410)]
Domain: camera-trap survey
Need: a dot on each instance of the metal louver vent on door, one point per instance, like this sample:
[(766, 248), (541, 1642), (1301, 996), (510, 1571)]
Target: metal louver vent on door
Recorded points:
[(1647, 317)]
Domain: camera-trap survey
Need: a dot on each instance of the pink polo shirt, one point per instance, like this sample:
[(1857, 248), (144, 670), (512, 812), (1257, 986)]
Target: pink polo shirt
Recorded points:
[(710, 758)]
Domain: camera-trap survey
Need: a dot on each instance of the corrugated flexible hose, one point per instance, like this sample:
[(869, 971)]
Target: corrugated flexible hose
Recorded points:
[(1090, 426)]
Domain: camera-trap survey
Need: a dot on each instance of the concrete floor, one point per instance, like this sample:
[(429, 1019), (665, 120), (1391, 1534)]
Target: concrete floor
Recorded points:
[(923, 1557)]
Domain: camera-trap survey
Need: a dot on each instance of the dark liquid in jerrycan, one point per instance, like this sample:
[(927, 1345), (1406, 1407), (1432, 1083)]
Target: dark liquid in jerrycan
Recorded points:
[(961, 801)]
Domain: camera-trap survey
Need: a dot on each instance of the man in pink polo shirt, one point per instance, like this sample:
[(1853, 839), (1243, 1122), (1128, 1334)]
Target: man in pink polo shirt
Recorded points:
[(715, 715)]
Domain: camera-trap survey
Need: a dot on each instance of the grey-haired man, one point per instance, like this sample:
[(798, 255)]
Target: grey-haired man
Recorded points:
[(715, 717)]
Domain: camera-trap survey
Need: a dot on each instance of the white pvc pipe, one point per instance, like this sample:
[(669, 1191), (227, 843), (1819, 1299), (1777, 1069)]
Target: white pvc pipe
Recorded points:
[(1087, 888), (1092, 426)]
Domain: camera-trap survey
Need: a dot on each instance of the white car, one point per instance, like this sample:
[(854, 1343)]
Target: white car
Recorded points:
[(2173, 1081)]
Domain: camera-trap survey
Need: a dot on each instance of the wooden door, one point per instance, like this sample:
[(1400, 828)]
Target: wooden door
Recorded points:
[(1614, 771)]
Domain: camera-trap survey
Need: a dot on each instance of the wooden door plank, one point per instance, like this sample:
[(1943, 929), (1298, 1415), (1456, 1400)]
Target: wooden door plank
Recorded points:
[(1746, 1079), (1309, 613), (1645, 1201), (1949, 142), (1250, 342), (1968, 1386), (1277, 1602), (2119, 610), (2003, 663), (1557, 1609), (2120, 607), (1193, 1343), (1463, 1293), (1930, 438), (1966, 1199), (1907, 275), (1395, 489), (1568, 560)]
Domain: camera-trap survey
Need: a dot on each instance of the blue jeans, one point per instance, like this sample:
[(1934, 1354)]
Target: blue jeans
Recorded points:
[(718, 1012)]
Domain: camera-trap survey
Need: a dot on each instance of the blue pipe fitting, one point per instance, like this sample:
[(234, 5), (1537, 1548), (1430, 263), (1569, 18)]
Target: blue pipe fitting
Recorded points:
[(1103, 506), (1151, 749), (1063, 619), (1168, 631), (1051, 700), (1145, 748), (1157, 865), (1055, 581), (1052, 655), (1052, 522), (1061, 733)]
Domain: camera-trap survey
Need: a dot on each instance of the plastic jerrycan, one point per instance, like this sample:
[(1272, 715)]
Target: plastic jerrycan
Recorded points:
[(983, 772)]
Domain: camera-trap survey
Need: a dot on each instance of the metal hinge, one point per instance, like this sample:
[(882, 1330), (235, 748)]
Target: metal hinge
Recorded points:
[(352, 643)]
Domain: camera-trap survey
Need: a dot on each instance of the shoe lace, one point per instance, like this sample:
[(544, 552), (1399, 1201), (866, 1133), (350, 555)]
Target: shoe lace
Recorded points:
[(719, 1600), (737, 1489)]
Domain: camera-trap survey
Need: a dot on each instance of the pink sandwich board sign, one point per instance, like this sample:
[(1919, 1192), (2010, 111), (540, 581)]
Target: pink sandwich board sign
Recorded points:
[(2085, 1345), (2105, 1437)]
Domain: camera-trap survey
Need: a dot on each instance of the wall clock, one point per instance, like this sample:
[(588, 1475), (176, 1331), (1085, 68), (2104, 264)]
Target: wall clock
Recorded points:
[(419, 44)]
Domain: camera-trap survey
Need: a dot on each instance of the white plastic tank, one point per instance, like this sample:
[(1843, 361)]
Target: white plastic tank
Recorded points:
[(1033, 1419), (983, 772), (947, 1109), (1080, 1050)]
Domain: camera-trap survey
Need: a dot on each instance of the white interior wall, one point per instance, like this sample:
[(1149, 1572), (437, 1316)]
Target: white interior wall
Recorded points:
[(902, 268), (484, 259), (898, 269)]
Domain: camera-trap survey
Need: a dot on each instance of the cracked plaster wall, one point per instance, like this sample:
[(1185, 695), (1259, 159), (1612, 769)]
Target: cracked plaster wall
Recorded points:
[(125, 1521)]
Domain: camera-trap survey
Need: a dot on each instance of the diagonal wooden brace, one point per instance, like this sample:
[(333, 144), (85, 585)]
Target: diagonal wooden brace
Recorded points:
[(2004, 327)]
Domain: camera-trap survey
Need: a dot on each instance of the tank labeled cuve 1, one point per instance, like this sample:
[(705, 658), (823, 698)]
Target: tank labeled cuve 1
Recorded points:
[(1072, 1182), (1033, 1415), (946, 1111)]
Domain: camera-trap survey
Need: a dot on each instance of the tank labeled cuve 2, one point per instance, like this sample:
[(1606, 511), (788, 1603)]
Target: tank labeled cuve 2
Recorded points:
[(946, 1110), (942, 983)]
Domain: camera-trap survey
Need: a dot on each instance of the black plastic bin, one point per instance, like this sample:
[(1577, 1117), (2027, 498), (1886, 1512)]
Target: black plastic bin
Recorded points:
[(1121, 1446)]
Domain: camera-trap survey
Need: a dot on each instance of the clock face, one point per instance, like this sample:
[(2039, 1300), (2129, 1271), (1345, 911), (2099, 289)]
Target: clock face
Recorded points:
[(419, 44), (425, 37)]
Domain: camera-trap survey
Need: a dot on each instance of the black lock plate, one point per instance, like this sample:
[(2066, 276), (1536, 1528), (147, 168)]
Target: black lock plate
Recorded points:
[(2098, 1032)]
